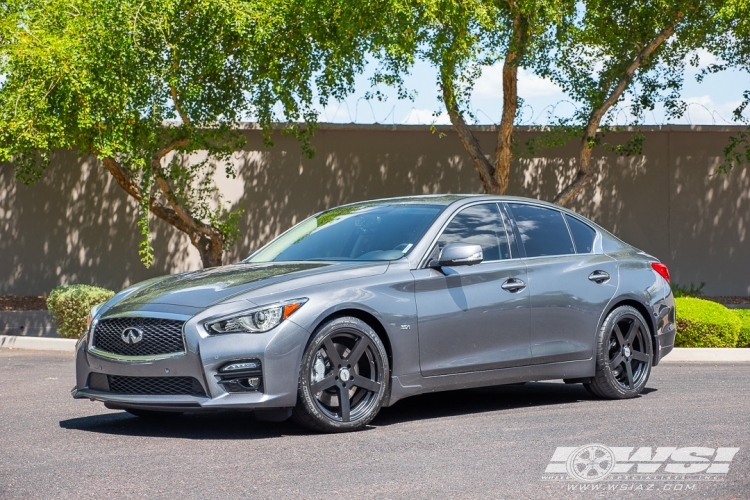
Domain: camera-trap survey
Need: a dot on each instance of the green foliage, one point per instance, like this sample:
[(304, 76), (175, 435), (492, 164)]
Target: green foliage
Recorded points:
[(601, 61), (702, 323), (684, 291), (744, 338), (156, 89), (70, 306)]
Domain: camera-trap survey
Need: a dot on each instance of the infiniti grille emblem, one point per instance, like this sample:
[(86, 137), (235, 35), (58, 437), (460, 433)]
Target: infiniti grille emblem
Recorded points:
[(132, 335)]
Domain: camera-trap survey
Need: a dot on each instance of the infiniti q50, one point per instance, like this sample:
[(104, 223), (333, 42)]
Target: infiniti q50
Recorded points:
[(362, 305)]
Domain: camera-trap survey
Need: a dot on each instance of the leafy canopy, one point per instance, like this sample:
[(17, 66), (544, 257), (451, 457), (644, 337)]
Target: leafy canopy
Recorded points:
[(137, 82)]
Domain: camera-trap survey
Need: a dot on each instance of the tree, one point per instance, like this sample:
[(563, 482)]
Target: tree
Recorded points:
[(143, 85), (619, 49), (595, 50), (458, 38), (731, 43)]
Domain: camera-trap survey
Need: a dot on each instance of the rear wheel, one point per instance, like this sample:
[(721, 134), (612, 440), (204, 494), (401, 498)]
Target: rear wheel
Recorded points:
[(344, 377), (624, 354)]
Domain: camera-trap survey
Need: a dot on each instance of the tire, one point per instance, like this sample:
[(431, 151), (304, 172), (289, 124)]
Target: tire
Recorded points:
[(152, 414), (624, 355), (344, 359)]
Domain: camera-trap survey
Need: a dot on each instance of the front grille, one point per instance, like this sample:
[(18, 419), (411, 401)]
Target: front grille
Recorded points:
[(155, 386), (160, 336)]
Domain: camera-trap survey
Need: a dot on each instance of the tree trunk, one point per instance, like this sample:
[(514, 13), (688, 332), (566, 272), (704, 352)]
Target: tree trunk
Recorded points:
[(211, 251), (495, 177), (504, 149)]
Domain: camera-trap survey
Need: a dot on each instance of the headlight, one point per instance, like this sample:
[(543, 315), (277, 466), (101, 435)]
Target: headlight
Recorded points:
[(92, 315), (258, 320), (88, 333)]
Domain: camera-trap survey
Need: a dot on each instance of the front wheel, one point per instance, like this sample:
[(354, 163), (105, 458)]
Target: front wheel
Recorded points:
[(623, 355), (344, 377)]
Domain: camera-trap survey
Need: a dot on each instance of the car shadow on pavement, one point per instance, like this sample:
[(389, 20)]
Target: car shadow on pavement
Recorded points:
[(486, 399), (241, 425), (214, 425)]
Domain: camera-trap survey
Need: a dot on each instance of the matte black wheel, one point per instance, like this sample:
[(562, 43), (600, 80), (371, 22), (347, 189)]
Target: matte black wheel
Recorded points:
[(151, 414), (344, 377), (624, 354)]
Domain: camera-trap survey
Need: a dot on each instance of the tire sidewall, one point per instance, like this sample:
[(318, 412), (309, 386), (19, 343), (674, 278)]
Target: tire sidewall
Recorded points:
[(307, 400), (604, 367)]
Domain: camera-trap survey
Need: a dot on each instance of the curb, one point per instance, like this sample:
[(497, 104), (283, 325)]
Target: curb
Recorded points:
[(37, 343), (708, 355)]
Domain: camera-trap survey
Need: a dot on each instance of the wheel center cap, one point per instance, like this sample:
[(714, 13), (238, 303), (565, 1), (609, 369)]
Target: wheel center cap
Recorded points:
[(626, 351), (344, 375)]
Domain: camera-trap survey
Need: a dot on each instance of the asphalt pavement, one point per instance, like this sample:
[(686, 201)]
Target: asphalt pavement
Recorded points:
[(502, 442)]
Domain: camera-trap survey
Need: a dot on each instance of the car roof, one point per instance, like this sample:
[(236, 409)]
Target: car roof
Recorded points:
[(450, 199)]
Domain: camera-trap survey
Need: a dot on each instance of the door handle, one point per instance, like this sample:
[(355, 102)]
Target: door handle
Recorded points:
[(599, 277), (513, 285)]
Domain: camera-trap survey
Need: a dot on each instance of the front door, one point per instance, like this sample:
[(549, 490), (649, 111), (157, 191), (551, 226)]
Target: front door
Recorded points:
[(476, 317)]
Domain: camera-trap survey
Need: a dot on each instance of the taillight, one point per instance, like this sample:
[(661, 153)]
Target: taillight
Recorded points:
[(661, 269)]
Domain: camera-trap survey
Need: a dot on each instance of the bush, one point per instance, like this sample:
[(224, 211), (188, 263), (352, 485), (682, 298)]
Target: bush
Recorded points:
[(70, 306), (744, 338), (702, 323)]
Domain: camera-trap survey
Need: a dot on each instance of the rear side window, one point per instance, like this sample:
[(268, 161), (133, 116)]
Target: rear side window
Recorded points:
[(479, 225), (543, 230), (583, 235)]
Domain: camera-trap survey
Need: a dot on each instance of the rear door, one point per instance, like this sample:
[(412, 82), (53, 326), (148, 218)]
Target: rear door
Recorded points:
[(569, 285), (474, 317)]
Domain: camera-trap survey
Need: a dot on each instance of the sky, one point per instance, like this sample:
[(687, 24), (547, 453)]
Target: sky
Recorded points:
[(710, 102)]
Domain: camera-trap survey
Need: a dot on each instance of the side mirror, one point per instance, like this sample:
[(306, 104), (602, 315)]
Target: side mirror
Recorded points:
[(458, 254)]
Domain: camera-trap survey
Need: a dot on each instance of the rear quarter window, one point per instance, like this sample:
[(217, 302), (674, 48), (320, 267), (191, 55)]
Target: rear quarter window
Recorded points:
[(583, 235)]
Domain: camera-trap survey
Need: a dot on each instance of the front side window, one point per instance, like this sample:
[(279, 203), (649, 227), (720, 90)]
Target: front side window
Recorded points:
[(543, 230), (355, 232), (479, 225)]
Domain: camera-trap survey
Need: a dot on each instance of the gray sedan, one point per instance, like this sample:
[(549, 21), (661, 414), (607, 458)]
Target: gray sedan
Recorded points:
[(360, 306)]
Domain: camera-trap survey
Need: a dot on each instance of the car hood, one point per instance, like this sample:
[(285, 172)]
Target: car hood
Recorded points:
[(193, 291)]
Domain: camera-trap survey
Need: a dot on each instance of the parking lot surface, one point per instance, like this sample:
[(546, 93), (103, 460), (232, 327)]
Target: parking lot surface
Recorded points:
[(485, 443)]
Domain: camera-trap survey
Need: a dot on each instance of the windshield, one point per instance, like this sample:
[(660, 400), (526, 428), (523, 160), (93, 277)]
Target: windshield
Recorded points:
[(358, 232)]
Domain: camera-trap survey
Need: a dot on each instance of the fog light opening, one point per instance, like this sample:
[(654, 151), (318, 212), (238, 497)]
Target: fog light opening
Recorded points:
[(242, 375)]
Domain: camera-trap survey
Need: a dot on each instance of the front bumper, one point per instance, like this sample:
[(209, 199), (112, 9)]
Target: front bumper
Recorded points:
[(279, 351)]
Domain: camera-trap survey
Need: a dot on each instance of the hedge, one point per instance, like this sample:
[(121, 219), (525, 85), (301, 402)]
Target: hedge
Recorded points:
[(744, 315), (702, 323), (70, 306)]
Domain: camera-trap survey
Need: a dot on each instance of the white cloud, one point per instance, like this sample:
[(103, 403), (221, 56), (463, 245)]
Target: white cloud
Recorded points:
[(425, 117), (490, 84), (704, 110), (705, 59)]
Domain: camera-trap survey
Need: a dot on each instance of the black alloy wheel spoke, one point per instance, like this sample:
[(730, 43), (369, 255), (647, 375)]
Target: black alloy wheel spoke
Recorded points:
[(357, 351), (366, 384), (616, 361), (324, 384), (343, 403), (618, 333), (632, 330), (332, 352), (640, 356), (629, 369)]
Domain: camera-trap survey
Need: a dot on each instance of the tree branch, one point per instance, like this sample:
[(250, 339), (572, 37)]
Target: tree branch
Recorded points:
[(163, 212), (470, 143), (585, 172)]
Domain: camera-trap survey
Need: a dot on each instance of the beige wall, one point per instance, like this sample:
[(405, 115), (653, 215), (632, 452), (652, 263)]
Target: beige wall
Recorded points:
[(77, 226)]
